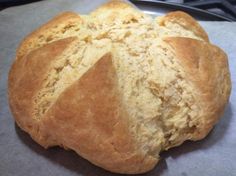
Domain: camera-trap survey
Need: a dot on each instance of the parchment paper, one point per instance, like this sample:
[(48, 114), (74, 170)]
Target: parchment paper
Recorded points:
[(21, 156)]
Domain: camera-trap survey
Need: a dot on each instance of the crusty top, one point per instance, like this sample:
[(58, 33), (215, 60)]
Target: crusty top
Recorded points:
[(117, 86)]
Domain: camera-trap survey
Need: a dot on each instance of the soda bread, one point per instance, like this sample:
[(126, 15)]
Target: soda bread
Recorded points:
[(117, 86)]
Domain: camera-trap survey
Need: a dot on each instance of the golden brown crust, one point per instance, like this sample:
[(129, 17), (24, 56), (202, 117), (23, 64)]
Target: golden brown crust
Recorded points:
[(185, 21), (33, 40), (25, 80), (206, 67), (99, 120)]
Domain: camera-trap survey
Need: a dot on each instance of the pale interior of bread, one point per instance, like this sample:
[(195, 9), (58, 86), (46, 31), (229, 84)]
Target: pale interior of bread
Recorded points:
[(158, 98), (171, 29)]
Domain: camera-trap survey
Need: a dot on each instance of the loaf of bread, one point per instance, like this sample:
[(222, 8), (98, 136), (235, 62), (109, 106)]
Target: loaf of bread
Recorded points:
[(118, 86)]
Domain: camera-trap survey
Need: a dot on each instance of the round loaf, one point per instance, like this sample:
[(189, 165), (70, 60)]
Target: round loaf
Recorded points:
[(117, 86)]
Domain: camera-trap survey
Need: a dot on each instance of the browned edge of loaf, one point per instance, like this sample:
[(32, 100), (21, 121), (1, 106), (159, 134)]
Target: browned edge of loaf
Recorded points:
[(186, 21), (26, 77), (206, 67), (31, 40)]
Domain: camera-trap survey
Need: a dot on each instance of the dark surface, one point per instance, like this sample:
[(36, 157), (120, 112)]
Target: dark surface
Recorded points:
[(197, 13), (228, 6), (15, 2), (21, 156)]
